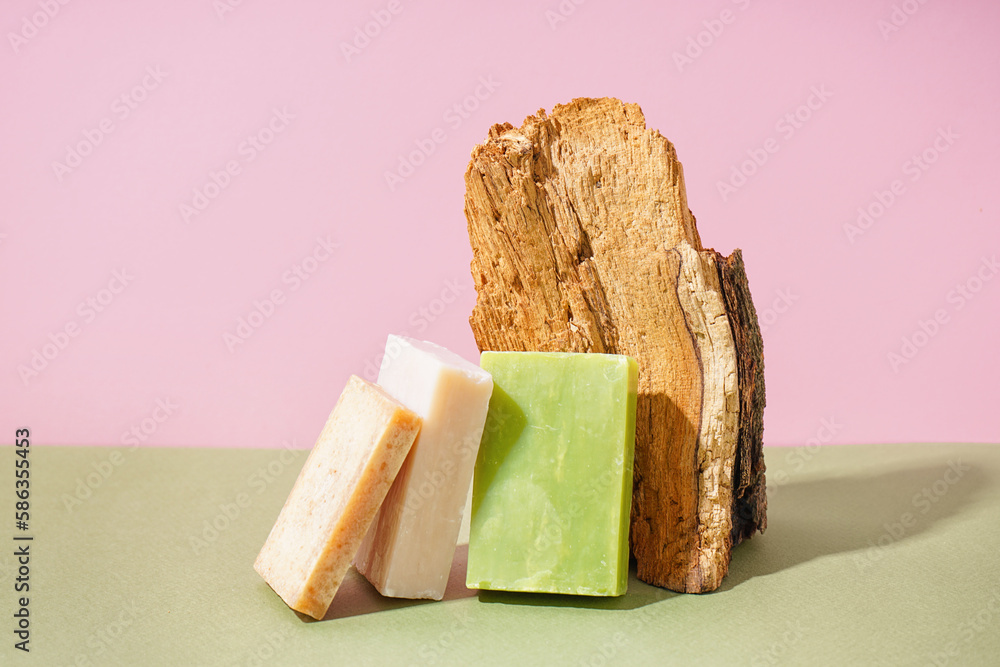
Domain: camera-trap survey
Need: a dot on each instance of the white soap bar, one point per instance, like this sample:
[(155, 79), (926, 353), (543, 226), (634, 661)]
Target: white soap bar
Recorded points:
[(408, 550)]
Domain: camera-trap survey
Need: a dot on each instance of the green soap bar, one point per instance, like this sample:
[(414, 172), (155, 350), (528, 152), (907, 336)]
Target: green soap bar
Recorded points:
[(552, 489)]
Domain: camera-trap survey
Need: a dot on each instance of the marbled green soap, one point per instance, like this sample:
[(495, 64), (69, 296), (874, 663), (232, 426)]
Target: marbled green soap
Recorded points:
[(553, 481)]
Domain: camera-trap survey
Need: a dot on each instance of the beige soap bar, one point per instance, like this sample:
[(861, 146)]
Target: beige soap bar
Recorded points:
[(336, 497)]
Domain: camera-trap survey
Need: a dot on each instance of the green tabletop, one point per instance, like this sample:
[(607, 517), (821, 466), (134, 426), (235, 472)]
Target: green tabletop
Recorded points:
[(874, 554)]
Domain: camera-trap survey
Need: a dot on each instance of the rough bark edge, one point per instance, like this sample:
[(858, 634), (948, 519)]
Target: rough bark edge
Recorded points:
[(749, 513)]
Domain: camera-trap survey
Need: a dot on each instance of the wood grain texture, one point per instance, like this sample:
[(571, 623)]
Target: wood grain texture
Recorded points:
[(583, 241)]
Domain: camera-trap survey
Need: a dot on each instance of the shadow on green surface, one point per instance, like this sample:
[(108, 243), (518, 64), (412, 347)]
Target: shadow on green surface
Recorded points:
[(357, 597), (867, 515), (639, 595), (864, 515)]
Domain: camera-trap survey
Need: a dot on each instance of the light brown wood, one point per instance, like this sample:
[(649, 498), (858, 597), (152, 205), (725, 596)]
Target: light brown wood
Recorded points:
[(583, 241)]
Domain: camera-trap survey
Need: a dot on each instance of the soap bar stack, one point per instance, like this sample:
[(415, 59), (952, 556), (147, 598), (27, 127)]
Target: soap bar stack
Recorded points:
[(385, 484), (549, 437)]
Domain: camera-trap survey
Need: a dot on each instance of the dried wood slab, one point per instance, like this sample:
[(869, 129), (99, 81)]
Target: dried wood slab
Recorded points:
[(583, 241)]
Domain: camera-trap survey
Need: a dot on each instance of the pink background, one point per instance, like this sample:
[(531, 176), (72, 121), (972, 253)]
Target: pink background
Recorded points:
[(833, 309)]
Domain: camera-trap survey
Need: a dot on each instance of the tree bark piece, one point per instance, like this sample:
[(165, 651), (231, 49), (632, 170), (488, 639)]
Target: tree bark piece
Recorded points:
[(583, 242), (750, 502)]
